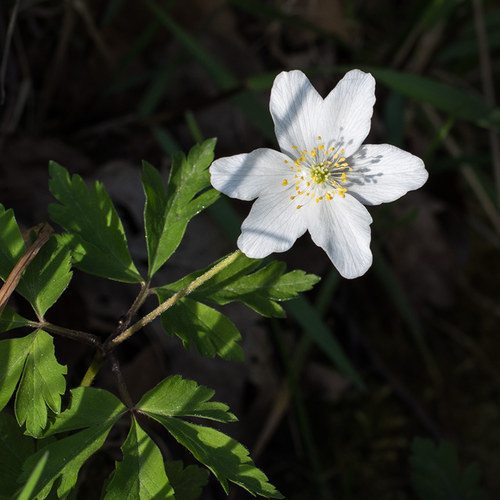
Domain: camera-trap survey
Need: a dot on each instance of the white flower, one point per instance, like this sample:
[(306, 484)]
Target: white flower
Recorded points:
[(323, 176)]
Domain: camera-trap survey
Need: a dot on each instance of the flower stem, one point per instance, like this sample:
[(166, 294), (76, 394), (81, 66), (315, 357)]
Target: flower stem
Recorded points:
[(92, 371), (171, 301)]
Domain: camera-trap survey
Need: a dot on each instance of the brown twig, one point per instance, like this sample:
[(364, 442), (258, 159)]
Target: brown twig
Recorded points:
[(15, 275)]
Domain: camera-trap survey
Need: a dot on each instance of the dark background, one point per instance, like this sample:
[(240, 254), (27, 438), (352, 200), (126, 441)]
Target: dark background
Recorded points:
[(99, 86)]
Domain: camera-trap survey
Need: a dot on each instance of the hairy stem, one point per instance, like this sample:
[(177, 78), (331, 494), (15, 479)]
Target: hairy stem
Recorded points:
[(108, 346)]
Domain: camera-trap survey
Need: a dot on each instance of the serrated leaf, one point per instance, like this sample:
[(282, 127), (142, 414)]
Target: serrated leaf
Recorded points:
[(436, 473), (9, 320), (258, 289), (141, 474), (88, 407), (168, 211), (13, 353), (47, 276), (225, 457), (178, 397), (42, 385), (187, 483), (12, 245), (198, 324), (15, 448), (66, 457), (97, 230)]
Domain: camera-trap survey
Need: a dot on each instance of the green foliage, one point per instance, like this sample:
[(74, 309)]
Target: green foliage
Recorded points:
[(437, 475), (12, 245), (168, 211), (13, 354), (96, 411), (196, 323), (176, 397), (141, 473), (94, 229), (94, 242), (15, 448), (42, 384), (259, 290), (188, 482), (9, 320), (225, 457), (47, 276), (30, 485)]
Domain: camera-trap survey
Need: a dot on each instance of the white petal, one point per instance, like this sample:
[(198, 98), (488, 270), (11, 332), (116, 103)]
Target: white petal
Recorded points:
[(296, 108), (247, 176), (383, 173), (273, 225), (341, 227), (348, 111)]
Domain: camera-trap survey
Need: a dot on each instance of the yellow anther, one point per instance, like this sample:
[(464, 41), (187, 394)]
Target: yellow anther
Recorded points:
[(321, 147), (299, 206), (328, 196), (286, 161), (292, 197), (284, 183), (319, 138), (295, 147)]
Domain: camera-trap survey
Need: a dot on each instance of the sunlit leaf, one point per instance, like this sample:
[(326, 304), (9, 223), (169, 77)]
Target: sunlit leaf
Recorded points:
[(141, 473), (13, 354), (97, 234), (47, 276), (95, 411), (225, 457), (41, 386), (168, 210), (12, 245), (199, 325), (240, 281), (176, 396)]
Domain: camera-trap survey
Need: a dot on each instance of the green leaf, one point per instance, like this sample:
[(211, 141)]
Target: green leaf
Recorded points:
[(66, 457), (187, 483), (141, 474), (168, 211), (94, 410), (30, 485), (47, 276), (97, 231), (177, 397), (225, 457), (196, 323), (13, 353), (9, 320), (436, 473), (12, 245), (15, 448), (88, 407), (447, 98), (42, 385), (258, 290)]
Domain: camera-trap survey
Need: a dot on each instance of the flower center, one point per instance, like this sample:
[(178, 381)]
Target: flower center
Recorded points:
[(319, 173)]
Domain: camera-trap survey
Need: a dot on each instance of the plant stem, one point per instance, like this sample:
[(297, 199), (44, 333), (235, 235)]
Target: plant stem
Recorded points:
[(78, 335), (94, 367), (108, 346)]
